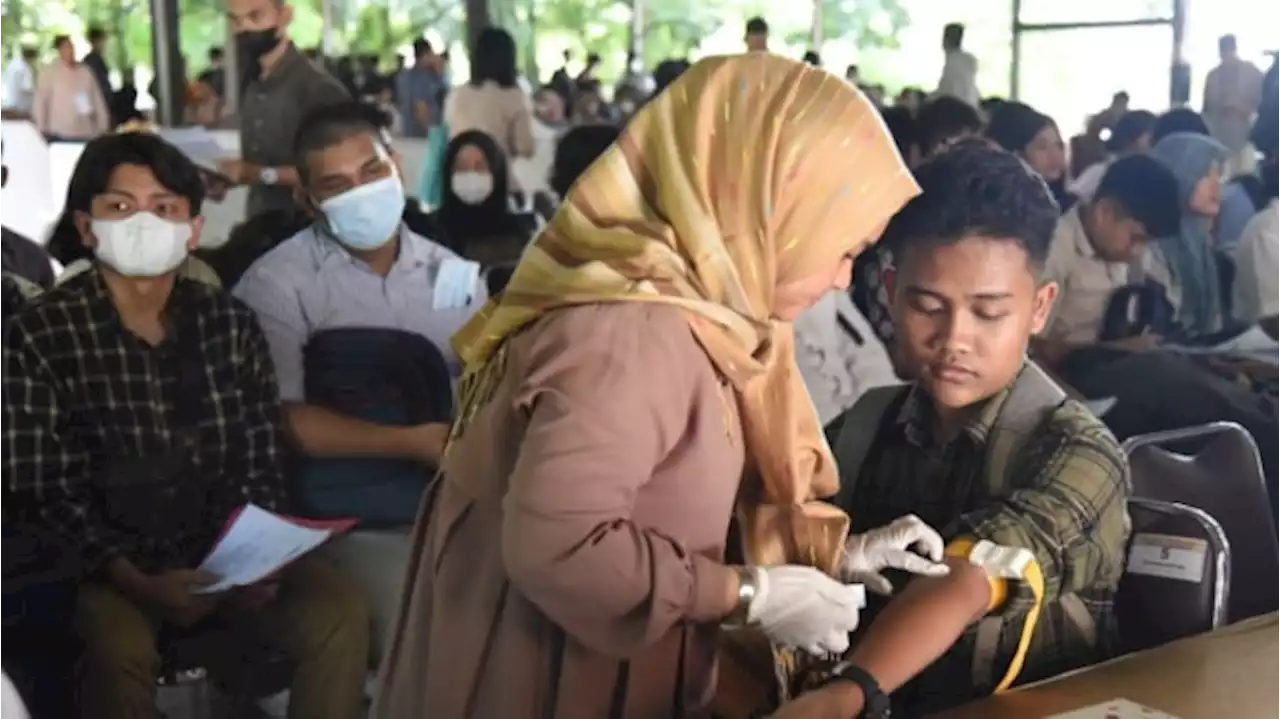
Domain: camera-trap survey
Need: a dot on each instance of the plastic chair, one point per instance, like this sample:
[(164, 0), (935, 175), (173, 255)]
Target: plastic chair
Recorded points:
[(1216, 468), (1165, 596)]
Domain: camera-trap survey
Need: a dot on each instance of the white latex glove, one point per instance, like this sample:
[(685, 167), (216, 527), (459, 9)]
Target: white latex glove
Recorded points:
[(802, 608), (888, 547)]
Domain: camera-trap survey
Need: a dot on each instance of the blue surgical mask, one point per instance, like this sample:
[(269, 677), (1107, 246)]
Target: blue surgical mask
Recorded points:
[(366, 217)]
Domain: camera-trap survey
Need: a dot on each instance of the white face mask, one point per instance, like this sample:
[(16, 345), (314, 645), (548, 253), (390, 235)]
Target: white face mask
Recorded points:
[(142, 244), (472, 187)]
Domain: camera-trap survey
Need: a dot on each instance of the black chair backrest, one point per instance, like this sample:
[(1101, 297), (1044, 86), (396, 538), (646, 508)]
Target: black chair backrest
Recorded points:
[(1176, 581), (1216, 468)]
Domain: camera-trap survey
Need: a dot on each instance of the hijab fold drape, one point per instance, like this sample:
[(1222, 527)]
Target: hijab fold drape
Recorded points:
[(749, 172)]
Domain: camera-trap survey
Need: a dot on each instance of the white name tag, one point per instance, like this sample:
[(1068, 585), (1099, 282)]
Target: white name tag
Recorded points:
[(455, 285), (1163, 555), (84, 105)]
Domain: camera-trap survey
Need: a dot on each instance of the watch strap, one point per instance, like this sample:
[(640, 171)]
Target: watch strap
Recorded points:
[(875, 703)]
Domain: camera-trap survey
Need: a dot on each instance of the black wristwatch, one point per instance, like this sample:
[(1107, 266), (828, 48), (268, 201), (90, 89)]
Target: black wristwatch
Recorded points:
[(875, 703)]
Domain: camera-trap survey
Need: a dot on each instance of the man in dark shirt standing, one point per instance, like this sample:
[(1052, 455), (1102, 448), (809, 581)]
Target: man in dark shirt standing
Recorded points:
[(141, 411), (215, 76), (284, 87), (97, 38)]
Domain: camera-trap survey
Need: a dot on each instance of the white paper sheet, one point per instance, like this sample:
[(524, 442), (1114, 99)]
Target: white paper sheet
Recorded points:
[(257, 544), (196, 143), (1115, 709)]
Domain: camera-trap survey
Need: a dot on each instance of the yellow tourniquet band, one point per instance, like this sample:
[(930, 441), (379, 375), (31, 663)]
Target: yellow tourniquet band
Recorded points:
[(999, 573)]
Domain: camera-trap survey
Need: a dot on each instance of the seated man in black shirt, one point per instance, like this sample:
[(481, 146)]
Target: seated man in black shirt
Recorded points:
[(140, 411)]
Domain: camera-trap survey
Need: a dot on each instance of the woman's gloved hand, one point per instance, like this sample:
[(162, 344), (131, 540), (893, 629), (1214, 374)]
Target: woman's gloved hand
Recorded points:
[(802, 608), (889, 547)]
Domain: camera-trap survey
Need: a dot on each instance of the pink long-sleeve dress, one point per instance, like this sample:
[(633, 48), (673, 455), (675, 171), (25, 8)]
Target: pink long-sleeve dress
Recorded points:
[(569, 563)]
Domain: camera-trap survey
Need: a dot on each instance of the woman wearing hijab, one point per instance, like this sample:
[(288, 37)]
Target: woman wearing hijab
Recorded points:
[(1034, 137), (570, 562), (476, 217), (1184, 264)]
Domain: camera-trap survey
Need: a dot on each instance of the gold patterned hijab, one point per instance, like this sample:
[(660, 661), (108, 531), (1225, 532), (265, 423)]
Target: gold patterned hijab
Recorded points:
[(747, 173)]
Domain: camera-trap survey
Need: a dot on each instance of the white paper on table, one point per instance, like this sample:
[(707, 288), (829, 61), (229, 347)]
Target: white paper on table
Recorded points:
[(1115, 709), (197, 143), (256, 545)]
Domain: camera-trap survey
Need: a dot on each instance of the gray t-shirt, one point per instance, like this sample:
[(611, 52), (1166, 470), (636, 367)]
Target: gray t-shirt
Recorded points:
[(414, 85)]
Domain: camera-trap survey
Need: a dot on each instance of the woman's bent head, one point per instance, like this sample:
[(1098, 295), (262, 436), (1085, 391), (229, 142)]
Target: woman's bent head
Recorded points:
[(750, 184)]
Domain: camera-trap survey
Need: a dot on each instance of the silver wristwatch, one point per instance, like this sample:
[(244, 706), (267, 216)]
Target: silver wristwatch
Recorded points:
[(268, 176), (748, 587)]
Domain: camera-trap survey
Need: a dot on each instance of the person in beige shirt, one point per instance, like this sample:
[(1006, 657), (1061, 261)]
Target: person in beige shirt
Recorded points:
[(1094, 246), (69, 104), (492, 102)]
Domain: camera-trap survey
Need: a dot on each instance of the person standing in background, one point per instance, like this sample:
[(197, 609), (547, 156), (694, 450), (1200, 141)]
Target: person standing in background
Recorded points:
[(1232, 93), (95, 61), (959, 69), (492, 101), (419, 91), (69, 104), (20, 81), (757, 37), (284, 86), (215, 76)]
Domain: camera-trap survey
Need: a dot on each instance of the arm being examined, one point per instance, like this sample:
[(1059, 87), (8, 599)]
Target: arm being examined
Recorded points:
[(923, 622)]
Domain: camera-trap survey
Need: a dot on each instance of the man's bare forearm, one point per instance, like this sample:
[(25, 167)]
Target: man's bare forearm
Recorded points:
[(922, 623)]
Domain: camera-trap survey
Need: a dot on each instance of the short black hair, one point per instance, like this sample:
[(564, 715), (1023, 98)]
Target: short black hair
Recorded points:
[(811, 57), (903, 126), (1179, 119), (1129, 128), (421, 47), (1144, 189), (29, 53), (757, 26), (953, 34), (576, 151), (1226, 42), (1122, 96), (494, 59), (329, 125), (59, 39), (945, 118), (667, 72), (95, 34), (101, 157), (972, 188), (215, 53)]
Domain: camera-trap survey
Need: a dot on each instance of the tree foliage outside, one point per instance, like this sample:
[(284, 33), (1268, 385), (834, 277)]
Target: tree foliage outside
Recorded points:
[(543, 28), (894, 42)]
